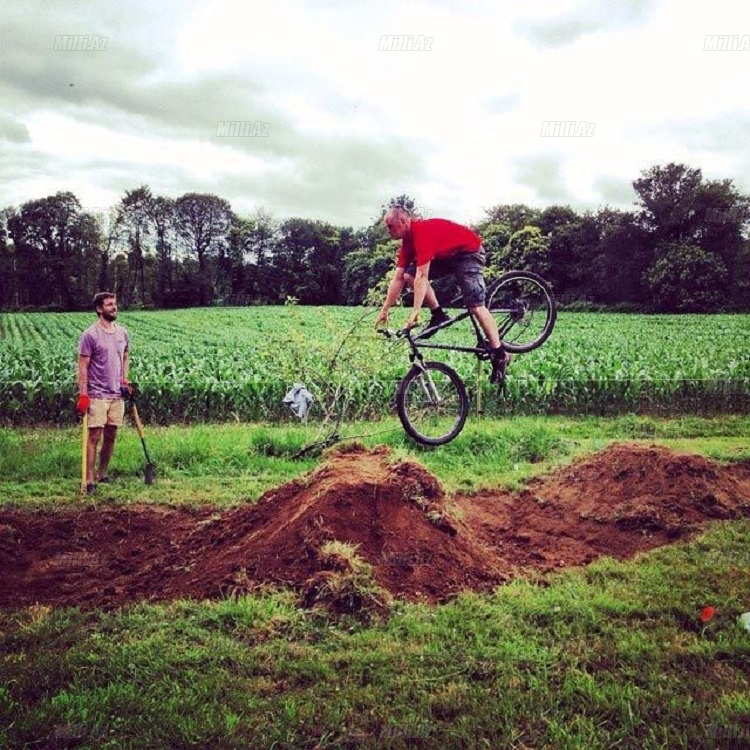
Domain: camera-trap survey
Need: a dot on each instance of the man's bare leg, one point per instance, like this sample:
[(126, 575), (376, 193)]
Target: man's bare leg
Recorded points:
[(110, 434), (95, 434), (488, 324)]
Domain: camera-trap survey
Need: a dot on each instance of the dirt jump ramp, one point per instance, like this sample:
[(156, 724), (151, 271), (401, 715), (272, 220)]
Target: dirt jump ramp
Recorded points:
[(420, 543)]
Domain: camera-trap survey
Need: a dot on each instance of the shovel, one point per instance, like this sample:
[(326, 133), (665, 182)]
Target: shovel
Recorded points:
[(149, 470)]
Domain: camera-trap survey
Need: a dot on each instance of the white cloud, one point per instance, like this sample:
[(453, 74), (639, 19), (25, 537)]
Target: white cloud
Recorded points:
[(459, 126)]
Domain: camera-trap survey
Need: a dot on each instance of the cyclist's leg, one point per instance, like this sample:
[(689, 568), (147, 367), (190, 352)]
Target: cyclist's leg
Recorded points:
[(487, 324), (468, 268), (469, 271), (499, 356)]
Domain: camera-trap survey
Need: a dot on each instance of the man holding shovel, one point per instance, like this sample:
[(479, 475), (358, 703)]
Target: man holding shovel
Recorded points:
[(103, 354)]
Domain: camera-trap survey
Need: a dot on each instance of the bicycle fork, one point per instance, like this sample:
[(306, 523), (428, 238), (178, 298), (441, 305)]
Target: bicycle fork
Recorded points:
[(425, 380)]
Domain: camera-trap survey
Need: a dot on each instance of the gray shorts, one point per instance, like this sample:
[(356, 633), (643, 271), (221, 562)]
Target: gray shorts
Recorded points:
[(468, 270)]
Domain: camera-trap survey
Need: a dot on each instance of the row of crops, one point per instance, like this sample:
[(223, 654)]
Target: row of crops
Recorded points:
[(237, 364)]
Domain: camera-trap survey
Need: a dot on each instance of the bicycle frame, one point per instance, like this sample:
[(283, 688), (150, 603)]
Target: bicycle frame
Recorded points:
[(415, 345), (480, 350)]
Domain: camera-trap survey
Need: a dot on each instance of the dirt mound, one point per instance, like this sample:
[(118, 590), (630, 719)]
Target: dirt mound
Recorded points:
[(621, 501), (91, 557), (649, 488), (393, 512)]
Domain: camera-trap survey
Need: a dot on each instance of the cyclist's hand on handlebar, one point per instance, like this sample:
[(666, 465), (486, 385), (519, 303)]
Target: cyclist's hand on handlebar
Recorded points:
[(413, 320), (391, 334)]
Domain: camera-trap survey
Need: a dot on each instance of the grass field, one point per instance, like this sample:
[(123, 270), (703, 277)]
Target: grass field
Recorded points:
[(228, 364), (613, 655)]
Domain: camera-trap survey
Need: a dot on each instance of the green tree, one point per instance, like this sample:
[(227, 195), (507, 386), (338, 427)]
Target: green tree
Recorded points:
[(306, 262), (53, 241), (365, 267), (516, 215), (723, 230), (260, 239), (162, 215), (685, 278), (9, 285), (677, 205), (572, 239), (527, 250), (613, 267), (668, 199), (135, 224), (495, 237), (202, 221)]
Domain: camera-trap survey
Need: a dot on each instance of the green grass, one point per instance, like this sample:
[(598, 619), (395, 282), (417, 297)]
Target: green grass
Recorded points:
[(610, 656), (235, 463)]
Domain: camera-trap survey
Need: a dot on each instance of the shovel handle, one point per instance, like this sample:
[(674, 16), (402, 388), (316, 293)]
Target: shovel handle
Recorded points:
[(84, 451), (137, 420), (141, 434)]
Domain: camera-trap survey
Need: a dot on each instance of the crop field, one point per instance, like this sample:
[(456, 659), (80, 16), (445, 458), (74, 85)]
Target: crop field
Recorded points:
[(550, 579), (235, 364)]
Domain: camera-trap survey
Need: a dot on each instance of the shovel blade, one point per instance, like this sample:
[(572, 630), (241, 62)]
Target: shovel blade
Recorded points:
[(149, 473)]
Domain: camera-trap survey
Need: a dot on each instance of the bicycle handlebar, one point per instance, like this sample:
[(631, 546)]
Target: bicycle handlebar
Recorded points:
[(389, 333)]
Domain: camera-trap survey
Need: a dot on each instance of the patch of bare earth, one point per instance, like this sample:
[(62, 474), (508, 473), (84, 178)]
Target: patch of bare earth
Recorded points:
[(621, 501)]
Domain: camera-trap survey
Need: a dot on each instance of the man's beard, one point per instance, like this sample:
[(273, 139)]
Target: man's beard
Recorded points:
[(109, 317)]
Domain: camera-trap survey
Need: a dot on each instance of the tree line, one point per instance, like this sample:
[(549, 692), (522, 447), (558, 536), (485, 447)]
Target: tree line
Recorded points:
[(683, 248)]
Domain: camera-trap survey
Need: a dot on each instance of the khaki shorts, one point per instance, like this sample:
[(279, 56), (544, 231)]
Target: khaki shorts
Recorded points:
[(106, 411)]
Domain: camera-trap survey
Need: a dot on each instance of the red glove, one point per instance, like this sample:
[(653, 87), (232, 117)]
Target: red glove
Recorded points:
[(82, 405)]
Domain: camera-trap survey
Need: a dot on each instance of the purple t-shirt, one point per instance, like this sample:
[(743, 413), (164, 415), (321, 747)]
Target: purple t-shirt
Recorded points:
[(107, 351)]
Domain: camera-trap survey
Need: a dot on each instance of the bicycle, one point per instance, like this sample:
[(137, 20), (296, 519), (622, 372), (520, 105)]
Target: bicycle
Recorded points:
[(431, 399)]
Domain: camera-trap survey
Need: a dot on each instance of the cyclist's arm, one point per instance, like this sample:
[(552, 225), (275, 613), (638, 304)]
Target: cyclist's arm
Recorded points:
[(421, 285), (394, 290)]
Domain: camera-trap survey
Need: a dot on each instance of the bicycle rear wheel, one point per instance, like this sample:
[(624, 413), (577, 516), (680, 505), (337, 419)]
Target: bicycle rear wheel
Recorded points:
[(432, 403), (524, 307)]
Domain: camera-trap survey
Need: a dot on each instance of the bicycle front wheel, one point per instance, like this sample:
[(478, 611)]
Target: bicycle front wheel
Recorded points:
[(524, 307), (432, 403)]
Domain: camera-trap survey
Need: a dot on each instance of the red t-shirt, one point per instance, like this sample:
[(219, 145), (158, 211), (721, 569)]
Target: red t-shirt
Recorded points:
[(435, 238)]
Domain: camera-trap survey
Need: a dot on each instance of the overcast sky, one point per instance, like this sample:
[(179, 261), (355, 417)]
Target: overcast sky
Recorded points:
[(456, 121)]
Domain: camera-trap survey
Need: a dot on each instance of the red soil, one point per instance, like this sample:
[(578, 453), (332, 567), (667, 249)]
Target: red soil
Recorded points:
[(621, 501)]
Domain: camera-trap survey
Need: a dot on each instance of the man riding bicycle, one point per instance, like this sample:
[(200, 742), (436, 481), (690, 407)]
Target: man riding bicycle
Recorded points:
[(438, 247)]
